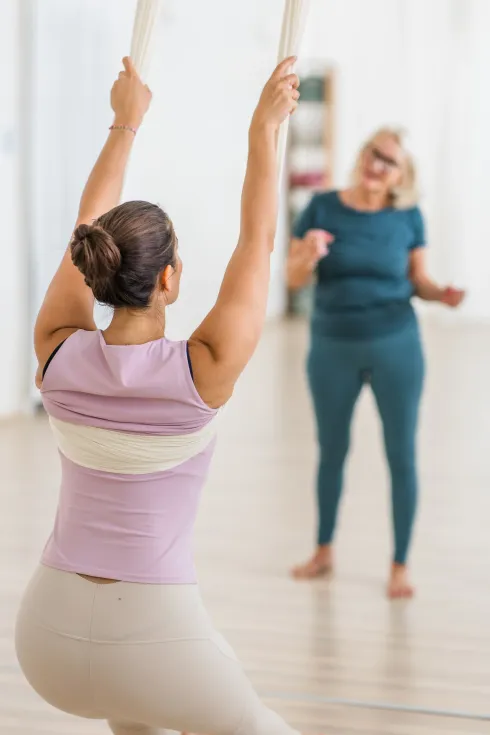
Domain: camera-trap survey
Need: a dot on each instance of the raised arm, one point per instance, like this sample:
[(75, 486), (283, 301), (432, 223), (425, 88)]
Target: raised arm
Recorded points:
[(69, 303), (224, 343)]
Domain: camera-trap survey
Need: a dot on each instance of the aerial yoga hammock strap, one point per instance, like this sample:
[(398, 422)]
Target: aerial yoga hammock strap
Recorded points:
[(145, 23), (293, 25)]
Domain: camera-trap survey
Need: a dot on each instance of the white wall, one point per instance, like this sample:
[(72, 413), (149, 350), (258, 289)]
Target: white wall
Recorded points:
[(468, 142), (13, 276)]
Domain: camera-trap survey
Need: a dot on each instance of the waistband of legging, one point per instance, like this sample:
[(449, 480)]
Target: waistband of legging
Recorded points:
[(123, 612), (363, 324)]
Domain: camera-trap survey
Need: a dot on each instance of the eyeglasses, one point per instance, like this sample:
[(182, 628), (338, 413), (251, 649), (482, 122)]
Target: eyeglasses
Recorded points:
[(389, 164)]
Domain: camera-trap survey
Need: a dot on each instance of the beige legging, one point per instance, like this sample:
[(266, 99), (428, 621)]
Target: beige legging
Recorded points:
[(144, 657)]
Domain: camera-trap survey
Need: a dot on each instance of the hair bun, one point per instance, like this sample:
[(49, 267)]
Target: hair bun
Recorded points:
[(97, 257)]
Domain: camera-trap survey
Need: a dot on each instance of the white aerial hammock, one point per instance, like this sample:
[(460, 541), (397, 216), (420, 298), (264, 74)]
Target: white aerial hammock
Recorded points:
[(293, 24), (145, 22)]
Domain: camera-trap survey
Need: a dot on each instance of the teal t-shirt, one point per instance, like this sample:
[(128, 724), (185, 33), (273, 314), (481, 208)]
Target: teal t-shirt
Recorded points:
[(363, 289)]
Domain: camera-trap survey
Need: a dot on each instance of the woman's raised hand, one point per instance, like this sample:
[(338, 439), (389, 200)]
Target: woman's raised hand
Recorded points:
[(130, 98), (279, 97)]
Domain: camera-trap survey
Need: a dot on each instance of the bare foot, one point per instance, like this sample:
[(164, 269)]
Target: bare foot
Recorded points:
[(398, 584), (320, 564)]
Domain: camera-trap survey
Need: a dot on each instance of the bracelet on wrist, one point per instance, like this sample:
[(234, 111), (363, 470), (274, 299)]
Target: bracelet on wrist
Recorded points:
[(124, 127)]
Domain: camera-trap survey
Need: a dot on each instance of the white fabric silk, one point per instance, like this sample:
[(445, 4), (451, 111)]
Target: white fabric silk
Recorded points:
[(293, 26), (120, 452), (143, 34)]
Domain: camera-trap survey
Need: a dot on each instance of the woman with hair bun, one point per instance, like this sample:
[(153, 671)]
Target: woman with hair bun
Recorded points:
[(112, 625), (367, 246)]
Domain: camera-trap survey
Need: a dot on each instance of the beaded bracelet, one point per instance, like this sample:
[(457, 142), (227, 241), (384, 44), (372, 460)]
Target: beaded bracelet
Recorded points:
[(123, 127)]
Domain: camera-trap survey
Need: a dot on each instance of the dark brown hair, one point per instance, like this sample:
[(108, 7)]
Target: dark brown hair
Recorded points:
[(122, 254)]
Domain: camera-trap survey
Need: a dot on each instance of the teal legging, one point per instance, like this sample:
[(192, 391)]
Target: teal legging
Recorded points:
[(337, 370)]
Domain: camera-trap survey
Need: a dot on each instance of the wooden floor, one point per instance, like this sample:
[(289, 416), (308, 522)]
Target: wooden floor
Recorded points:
[(305, 645)]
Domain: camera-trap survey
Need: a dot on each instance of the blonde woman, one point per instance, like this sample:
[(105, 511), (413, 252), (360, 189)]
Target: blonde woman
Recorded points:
[(366, 244)]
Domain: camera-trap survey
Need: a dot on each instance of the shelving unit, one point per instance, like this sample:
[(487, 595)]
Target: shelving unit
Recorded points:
[(310, 154)]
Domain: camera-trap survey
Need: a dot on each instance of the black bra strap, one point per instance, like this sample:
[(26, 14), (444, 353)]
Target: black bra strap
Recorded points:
[(48, 361), (189, 361)]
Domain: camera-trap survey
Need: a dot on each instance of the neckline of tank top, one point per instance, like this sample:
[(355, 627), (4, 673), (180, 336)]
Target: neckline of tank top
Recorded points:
[(103, 343), (133, 344)]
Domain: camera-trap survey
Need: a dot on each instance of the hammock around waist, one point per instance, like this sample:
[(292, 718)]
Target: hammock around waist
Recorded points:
[(124, 453)]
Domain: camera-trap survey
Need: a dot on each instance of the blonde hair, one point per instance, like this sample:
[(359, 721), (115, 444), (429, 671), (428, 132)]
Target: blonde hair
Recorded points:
[(406, 194)]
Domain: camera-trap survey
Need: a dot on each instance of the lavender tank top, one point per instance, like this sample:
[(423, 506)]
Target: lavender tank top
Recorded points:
[(135, 441)]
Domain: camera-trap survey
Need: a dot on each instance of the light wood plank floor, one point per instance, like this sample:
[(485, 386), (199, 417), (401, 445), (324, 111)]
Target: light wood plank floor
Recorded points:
[(304, 644)]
